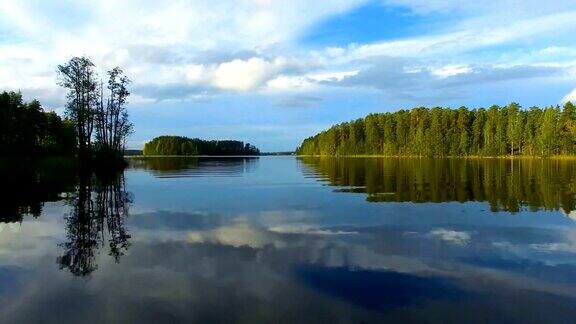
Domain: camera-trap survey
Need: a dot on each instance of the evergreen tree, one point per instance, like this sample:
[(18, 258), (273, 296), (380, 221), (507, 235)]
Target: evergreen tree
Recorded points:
[(27, 130), (568, 129), (463, 129), (497, 131), (515, 123), (548, 131), (373, 135)]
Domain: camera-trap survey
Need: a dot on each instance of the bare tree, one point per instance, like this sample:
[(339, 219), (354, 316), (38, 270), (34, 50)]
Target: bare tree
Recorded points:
[(112, 122), (79, 77), (95, 115)]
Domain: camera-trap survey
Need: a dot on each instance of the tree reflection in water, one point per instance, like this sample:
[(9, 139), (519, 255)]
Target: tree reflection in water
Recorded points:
[(28, 184), (99, 208), (505, 184)]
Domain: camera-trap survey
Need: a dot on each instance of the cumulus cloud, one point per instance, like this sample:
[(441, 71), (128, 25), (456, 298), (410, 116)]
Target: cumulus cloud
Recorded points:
[(245, 74), (187, 81), (194, 49), (570, 97), (402, 78), (451, 70), (237, 235), (236, 43), (451, 236)]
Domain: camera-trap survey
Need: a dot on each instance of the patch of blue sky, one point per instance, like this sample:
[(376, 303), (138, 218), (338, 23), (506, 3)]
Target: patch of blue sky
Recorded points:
[(374, 22), (543, 51), (7, 36), (10, 35), (65, 15)]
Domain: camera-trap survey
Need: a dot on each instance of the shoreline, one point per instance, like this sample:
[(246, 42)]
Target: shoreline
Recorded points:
[(185, 156), (516, 157)]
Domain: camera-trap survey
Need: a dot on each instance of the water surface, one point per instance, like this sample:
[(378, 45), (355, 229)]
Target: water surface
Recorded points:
[(284, 239)]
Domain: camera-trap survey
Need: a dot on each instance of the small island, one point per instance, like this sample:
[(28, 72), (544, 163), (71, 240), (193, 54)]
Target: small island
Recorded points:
[(184, 146)]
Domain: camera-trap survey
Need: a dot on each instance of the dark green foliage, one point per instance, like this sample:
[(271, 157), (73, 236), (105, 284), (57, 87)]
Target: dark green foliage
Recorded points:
[(506, 184), (27, 130), (496, 131), (179, 145), (567, 129), (97, 200), (33, 182)]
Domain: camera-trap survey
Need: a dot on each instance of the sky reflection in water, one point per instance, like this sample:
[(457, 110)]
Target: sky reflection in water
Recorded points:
[(280, 239)]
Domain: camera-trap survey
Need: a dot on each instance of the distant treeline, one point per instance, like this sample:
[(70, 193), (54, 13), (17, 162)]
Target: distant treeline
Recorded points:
[(27, 130), (277, 153), (179, 145), (496, 131), (132, 152)]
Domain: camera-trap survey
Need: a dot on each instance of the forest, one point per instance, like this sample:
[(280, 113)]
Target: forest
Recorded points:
[(179, 145), (95, 127), (489, 132), (27, 130)]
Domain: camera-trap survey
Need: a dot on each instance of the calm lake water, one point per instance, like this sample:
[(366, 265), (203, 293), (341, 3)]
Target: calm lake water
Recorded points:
[(285, 239)]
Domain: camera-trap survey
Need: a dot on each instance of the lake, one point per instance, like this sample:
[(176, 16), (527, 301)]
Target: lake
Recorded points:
[(286, 239)]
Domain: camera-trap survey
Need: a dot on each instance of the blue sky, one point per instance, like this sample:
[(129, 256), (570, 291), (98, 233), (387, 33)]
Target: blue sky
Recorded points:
[(272, 72)]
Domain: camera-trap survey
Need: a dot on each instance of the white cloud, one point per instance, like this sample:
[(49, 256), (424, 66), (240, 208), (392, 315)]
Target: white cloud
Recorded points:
[(332, 76), (143, 36), (308, 81), (245, 74), (558, 50), (195, 72), (237, 235), (307, 229), (572, 98), (463, 38), (451, 236), (451, 70), (184, 49), (285, 82)]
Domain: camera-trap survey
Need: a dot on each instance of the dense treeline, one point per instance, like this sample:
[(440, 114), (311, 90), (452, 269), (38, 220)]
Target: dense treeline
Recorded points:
[(496, 131), (27, 130), (506, 184), (179, 145)]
